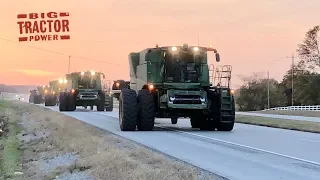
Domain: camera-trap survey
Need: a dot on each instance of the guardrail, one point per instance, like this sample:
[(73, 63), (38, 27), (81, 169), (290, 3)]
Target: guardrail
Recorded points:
[(296, 108)]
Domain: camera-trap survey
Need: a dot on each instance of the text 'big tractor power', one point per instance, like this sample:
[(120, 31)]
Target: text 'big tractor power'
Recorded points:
[(173, 82), (84, 89)]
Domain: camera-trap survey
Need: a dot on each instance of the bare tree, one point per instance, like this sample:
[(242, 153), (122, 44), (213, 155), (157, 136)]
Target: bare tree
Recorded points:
[(309, 52)]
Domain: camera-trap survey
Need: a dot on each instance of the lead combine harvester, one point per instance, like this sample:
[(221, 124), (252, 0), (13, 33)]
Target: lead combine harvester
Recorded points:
[(84, 89), (173, 82)]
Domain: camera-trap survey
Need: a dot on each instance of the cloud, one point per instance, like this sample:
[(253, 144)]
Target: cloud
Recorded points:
[(34, 72)]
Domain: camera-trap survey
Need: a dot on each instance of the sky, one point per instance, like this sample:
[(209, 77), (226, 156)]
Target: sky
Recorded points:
[(252, 36)]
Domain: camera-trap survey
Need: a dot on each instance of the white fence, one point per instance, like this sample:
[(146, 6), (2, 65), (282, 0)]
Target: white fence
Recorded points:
[(297, 108)]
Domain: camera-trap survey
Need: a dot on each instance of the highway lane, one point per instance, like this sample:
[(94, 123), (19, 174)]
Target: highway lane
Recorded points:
[(278, 116), (248, 152)]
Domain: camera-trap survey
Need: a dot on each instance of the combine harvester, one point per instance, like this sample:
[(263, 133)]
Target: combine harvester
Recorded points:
[(173, 82), (52, 94), (118, 85), (37, 95), (85, 89)]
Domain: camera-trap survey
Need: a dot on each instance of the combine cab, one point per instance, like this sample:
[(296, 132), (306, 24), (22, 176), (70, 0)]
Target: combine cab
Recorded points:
[(118, 85), (173, 82), (84, 89)]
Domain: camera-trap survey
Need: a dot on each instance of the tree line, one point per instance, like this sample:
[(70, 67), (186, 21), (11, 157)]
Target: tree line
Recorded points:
[(253, 94)]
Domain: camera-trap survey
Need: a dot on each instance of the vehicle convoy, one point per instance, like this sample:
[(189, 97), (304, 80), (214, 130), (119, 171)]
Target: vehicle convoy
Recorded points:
[(118, 85), (85, 89), (173, 82)]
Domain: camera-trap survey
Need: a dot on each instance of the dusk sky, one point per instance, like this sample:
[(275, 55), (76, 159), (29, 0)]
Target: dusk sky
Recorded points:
[(251, 35)]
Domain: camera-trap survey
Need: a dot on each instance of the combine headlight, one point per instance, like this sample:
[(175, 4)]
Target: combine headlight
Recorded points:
[(231, 91), (82, 73), (117, 84), (60, 81), (65, 81), (203, 100), (196, 48), (93, 73), (150, 87), (174, 48), (172, 98)]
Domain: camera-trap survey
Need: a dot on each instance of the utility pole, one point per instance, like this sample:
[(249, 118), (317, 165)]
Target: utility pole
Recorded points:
[(268, 90), (198, 39), (69, 65), (292, 71)]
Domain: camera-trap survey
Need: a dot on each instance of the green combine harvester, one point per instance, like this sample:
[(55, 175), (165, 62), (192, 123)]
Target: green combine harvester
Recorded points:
[(37, 95), (173, 82), (85, 89), (52, 95), (118, 85)]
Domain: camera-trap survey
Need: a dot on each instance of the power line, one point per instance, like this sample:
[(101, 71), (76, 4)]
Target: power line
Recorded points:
[(55, 52)]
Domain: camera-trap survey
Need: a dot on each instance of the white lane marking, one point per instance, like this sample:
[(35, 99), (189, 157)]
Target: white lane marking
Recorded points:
[(248, 147), (235, 144), (309, 140)]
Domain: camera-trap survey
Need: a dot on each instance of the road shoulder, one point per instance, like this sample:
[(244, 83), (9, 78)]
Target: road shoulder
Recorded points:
[(54, 146)]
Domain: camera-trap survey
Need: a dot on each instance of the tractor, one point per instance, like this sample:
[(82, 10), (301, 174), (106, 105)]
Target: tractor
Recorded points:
[(173, 82), (85, 89)]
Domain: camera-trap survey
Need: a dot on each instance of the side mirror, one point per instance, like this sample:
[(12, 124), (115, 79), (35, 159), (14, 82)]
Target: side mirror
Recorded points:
[(217, 57)]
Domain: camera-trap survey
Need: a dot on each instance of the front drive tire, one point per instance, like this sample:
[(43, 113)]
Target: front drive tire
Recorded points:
[(128, 110), (63, 105), (146, 114), (100, 106)]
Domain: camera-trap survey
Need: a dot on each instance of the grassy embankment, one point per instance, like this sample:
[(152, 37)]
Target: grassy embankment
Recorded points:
[(305, 126), (9, 143)]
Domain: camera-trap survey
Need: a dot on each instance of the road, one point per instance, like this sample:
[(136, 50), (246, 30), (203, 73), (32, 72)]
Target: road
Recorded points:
[(278, 116), (248, 152)]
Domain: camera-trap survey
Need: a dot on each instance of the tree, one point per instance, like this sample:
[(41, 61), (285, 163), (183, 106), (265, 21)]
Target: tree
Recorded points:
[(305, 85), (309, 52), (253, 94)]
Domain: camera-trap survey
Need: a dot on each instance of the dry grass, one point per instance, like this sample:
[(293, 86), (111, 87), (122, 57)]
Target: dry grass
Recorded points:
[(102, 154), (306, 126), (292, 113)]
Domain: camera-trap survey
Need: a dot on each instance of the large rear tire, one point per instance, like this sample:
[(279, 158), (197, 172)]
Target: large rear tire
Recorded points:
[(146, 114), (128, 110)]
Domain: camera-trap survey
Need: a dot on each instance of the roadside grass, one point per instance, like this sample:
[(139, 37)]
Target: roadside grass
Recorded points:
[(292, 113), (305, 126), (9, 143)]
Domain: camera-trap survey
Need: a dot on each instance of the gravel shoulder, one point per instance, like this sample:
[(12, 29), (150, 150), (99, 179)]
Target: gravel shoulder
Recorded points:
[(50, 145), (306, 126)]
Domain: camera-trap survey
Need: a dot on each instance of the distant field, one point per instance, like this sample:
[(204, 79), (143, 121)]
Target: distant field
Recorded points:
[(306, 126), (293, 113)]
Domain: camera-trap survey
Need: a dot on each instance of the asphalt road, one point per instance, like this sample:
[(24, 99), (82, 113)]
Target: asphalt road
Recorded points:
[(278, 116), (248, 152)]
